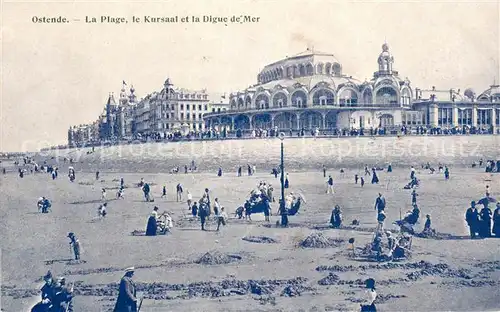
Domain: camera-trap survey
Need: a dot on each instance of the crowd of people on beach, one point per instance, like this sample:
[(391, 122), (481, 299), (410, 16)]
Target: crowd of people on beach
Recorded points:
[(385, 245)]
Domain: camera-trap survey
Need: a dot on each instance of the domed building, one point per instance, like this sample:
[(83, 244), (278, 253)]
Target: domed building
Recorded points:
[(310, 90)]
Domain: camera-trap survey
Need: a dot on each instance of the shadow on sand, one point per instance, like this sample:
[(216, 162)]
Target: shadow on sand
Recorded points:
[(95, 201), (65, 261)]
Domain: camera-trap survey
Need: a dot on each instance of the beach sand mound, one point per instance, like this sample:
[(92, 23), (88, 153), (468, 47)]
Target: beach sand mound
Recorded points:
[(330, 279), (215, 257), (318, 240), (260, 239)]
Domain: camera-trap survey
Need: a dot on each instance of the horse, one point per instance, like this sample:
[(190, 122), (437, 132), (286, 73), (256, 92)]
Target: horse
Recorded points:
[(260, 207)]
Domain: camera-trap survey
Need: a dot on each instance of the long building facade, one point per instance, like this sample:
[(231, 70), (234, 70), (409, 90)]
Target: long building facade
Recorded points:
[(311, 91), (158, 115)]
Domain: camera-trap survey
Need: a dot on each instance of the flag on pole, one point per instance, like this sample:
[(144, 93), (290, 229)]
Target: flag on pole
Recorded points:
[(224, 96), (124, 83)]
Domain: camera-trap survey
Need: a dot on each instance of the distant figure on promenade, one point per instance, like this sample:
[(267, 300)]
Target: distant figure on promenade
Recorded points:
[(389, 168), (446, 173), (219, 173), (249, 169), (164, 192), (239, 171), (103, 194), (287, 182), (122, 183), (324, 171), (97, 175), (356, 177), (362, 181), (367, 172), (412, 173)]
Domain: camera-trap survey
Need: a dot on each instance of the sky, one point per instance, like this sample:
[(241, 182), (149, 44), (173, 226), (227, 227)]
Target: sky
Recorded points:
[(57, 75)]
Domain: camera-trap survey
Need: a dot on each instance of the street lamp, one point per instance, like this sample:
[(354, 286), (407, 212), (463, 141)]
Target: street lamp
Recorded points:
[(283, 212)]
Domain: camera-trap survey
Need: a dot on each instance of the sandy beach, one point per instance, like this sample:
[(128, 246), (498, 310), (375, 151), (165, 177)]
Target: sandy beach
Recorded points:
[(449, 274)]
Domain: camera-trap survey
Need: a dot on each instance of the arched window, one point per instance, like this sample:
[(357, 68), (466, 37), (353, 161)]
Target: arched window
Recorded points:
[(348, 98), (323, 97)]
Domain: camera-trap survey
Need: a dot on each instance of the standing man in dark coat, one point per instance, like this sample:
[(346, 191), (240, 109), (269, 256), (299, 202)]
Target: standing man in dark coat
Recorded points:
[(485, 221), (179, 192), (48, 294), (472, 218), (324, 171), (146, 189), (380, 203), (127, 300), (75, 244), (203, 214), (496, 221)]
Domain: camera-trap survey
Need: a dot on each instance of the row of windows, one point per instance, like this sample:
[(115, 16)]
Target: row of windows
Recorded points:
[(192, 96), (445, 117), (218, 110), (188, 116), (194, 126), (188, 107)]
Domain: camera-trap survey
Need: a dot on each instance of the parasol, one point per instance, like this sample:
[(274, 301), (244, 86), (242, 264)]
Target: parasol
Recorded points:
[(486, 200)]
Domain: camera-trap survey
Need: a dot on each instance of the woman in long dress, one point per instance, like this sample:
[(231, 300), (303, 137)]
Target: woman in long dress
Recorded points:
[(374, 177), (151, 226)]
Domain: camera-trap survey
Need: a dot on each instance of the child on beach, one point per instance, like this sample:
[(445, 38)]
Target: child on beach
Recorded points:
[(101, 211)]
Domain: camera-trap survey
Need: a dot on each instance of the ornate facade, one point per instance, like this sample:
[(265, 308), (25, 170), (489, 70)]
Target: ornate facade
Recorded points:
[(310, 90)]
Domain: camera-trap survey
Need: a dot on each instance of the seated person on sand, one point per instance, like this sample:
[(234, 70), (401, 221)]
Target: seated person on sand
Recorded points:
[(402, 248), (391, 243), (412, 216), (376, 246), (428, 230)]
